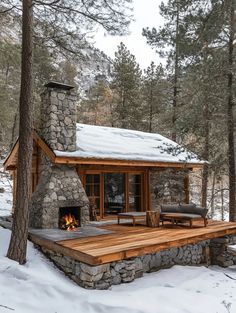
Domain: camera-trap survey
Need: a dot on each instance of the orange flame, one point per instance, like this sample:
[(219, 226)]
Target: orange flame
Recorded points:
[(69, 222)]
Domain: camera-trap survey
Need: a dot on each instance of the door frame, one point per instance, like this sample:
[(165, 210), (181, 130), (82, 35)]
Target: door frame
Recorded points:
[(145, 197)]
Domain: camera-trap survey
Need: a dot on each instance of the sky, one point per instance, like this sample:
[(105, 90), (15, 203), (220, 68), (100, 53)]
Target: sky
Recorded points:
[(146, 14)]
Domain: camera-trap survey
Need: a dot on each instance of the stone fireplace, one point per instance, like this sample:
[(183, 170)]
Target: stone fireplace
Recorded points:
[(59, 185), (69, 218)]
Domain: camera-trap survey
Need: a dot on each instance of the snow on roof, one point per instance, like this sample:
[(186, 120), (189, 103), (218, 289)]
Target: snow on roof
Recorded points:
[(123, 144)]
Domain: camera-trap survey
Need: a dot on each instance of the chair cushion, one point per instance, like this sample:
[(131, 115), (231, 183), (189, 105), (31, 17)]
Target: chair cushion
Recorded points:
[(202, 211), (170, 208), (188, 207)]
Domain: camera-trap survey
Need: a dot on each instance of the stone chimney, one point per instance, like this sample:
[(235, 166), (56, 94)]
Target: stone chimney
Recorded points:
[(58, 116), (59, 185)]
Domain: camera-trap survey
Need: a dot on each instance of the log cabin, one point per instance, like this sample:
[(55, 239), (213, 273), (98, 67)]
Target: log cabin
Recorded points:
[(121, 170)]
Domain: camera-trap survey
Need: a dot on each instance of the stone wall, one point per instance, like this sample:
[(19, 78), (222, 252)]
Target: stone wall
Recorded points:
[(114, 273), (167, 186), (59, 186), (220, 255), (58, 118)]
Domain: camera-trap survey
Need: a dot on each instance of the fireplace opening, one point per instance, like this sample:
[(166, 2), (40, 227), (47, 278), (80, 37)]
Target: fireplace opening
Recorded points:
[(69, 218)]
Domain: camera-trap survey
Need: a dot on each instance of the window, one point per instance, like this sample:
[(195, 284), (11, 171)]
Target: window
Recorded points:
[(134, 192), (114, 193), (92, 188)]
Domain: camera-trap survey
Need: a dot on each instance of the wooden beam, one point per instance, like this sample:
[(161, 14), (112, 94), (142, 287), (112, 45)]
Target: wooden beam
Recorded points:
[(52, 246), (186, 188), (45, 148), (94, 161), (10, 158)]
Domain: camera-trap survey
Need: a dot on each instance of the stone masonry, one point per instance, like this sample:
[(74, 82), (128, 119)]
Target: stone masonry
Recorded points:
[(103, 276), (166, 186), (59, 185), (125, 271), (58, 117), (220, 255)]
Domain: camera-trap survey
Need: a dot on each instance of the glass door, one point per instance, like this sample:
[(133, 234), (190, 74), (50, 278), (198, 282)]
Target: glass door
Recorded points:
[(134, 187), (92, 188), (114, 193)]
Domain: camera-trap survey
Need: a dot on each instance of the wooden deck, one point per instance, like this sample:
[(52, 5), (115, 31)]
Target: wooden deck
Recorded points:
[(127, 241)]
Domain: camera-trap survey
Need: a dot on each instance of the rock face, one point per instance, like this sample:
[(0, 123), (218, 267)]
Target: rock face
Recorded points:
[(59, 186)]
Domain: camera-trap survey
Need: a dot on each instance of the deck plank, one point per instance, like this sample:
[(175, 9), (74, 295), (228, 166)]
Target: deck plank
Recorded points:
[(127, 241)]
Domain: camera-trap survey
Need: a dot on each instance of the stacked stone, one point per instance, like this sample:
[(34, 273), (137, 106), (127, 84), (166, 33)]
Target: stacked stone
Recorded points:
[(58, 119), (219, 251), (59, 186), (125, 271)]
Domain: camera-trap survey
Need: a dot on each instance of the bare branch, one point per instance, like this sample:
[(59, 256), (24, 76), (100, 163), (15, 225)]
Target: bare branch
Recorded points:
[(7, 10)]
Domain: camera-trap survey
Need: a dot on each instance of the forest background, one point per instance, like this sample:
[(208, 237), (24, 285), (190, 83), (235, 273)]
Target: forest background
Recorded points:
[(189, 99)]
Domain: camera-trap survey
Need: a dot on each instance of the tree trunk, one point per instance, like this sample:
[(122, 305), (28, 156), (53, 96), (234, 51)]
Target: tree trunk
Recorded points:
[(230, 120), (205, 155), (206, 117), (222, 201), (151, 110), (18, 243), (176, 74), (213, 195)]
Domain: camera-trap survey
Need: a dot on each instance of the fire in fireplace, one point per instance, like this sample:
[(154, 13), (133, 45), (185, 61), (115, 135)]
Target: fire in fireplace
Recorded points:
[(69, 218)]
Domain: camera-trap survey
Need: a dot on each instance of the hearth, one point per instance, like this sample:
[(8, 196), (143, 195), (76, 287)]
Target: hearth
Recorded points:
[(69, 218)]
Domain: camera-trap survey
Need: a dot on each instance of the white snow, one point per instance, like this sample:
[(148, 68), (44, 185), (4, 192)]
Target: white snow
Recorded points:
[(124, 144), (38, 287), (6, 196)]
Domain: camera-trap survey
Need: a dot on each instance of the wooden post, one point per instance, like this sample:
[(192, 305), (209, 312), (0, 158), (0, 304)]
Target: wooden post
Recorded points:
[(186, 188), (153, 218)]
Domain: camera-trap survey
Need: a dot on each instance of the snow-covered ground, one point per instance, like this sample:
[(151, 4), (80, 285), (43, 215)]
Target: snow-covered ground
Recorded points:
[(39, 287), (6, 196)]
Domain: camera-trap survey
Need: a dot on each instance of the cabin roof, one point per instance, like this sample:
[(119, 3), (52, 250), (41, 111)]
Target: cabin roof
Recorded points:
[(101, 142), (116, 146)]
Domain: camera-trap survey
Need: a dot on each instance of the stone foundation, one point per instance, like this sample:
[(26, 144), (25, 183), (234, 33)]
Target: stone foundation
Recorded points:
[(219, 251), (125, 271)]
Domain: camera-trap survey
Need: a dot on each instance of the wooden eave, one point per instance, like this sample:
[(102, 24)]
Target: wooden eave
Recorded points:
[(115, 162), (10, 162)]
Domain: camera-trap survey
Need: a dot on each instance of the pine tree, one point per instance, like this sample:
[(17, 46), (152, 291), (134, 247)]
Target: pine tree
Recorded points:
[(112, 19), (153, 93), (170, 41), (126, 84), (96, 109)]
